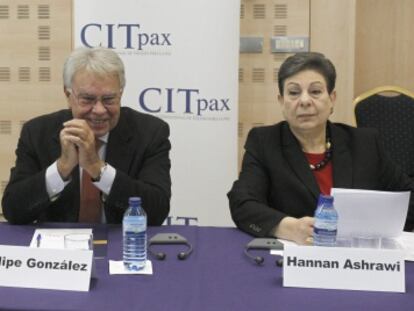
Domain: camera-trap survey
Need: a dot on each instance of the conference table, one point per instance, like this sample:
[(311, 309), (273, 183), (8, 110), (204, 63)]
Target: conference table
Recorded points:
[(216, 276)]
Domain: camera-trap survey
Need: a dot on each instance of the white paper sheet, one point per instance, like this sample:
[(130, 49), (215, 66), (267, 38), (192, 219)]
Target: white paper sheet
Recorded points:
[(368, 213), (117, 267)]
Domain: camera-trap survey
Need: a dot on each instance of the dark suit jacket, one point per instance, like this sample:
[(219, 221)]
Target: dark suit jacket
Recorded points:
[(138, 148), (275, 180)]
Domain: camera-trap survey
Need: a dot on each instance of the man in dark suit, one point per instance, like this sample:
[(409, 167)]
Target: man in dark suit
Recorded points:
[(83, 163)]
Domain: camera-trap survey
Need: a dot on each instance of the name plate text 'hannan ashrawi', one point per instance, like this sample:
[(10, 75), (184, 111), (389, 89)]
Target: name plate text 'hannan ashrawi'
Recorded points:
[(344, 268)]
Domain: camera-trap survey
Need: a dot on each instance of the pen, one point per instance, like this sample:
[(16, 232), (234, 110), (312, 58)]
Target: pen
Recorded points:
[(38, 240)]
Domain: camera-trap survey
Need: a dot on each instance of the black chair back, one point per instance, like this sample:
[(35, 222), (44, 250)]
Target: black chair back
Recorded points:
[(393, 116)]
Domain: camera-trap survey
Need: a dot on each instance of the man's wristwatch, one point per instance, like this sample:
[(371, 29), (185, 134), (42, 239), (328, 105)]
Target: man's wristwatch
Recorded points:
[(103, 168)]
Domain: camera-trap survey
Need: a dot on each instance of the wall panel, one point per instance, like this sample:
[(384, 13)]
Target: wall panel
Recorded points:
[(384, 44), (258, 71), (333, 33), (35, 39)]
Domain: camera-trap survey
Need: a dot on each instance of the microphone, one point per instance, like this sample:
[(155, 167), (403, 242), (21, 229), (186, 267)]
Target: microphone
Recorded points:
[(262, 243), (258, 259), (169, 238)]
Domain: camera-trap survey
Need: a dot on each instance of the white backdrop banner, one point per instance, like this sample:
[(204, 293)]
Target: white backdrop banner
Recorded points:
[(181, 60)]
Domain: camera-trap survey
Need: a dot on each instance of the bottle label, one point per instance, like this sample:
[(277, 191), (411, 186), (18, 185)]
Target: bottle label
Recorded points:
[(325, 232), (134, 224), (324, 236)]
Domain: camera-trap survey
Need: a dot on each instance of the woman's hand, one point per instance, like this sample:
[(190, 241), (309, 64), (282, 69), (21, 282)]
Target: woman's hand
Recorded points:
[(299, 230)]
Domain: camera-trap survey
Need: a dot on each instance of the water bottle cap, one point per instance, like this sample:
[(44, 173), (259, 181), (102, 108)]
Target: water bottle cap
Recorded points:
[(325, 199), (134, 201)]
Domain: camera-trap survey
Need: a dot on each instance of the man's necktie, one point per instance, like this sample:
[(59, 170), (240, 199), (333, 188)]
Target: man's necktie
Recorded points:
[(90, 199)]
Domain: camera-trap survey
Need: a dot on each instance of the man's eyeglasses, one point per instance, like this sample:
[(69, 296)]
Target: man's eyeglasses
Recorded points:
[(88, 100)]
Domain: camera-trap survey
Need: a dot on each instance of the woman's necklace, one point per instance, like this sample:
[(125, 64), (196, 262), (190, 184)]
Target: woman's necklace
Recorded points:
[(328, 155)]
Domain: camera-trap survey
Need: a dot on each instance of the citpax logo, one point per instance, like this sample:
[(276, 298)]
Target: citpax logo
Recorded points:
[(184, 101), (123, 36)]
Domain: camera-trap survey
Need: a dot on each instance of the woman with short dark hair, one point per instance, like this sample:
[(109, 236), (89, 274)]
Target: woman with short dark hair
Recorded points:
[(287, 165)]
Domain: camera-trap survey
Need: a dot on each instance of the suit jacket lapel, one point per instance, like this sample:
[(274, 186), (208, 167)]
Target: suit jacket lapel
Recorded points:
[(119, 150), (341, 158), (297, 160), (55, 145)]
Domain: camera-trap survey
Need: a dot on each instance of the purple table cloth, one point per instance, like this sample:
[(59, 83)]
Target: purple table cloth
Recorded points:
[(217, 276)]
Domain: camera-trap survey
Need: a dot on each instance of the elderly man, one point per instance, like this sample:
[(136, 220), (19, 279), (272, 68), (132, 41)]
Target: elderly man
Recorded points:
[(83, 163)]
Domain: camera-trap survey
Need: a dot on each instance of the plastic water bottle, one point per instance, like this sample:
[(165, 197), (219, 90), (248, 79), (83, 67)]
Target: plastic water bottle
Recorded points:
[(134, 230), (326, 222)]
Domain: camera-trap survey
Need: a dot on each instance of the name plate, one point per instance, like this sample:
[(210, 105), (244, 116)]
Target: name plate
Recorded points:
[(344, 268), (45, 268)]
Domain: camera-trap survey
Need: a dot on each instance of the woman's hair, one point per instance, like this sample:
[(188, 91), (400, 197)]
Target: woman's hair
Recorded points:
[(100, 61), (307, 61)]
